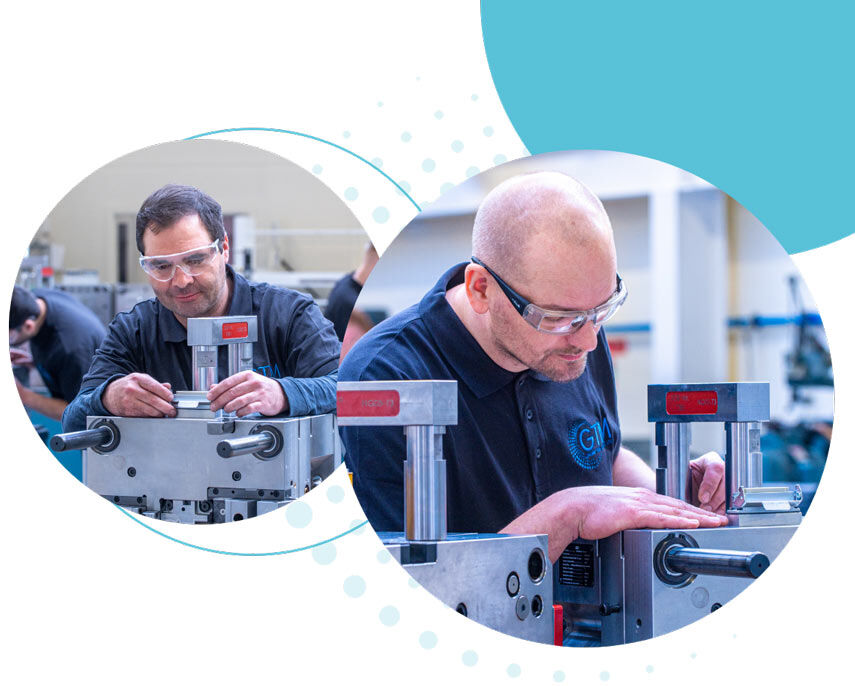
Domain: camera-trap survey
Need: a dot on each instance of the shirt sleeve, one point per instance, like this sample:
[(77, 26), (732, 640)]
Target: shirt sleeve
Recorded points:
[(314, 395)]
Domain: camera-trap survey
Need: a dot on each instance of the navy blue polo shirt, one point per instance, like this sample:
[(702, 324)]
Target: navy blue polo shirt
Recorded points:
[(62, 350), (520, 437), (296, 346)]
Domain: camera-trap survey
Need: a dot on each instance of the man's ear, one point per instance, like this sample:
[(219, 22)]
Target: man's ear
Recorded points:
[(225, 242), (476, 288)]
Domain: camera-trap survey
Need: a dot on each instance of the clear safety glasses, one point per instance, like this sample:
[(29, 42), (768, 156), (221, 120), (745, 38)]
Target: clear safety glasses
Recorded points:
[(558, 321), (192, 262)]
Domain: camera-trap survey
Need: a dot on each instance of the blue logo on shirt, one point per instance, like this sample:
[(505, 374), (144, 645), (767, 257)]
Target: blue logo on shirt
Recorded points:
[(267, 370), (588, 441)]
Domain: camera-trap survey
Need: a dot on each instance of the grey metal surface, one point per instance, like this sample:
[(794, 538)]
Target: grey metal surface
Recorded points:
[(161, 462), (428, 403), (209, 330), (204, 366), (743, 458), (735, 402), (674, 439), (472, 571), (424, 484)]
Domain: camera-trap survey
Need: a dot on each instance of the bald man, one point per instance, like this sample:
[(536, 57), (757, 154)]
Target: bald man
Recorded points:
[(537, 446)]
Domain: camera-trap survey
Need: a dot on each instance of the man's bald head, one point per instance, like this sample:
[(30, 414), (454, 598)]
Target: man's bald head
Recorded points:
[(546, 206)]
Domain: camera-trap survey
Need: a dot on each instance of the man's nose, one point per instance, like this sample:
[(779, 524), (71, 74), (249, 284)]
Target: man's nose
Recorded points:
[(586, 337), (180, 279)]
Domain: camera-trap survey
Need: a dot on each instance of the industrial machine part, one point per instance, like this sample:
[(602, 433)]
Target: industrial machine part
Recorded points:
[(501, 581), (643, 583), (200, 466)]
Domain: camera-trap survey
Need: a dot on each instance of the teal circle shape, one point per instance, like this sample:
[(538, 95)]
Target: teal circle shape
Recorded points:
[(380, 215), (558, 676), (406, 137), (354, 586), (469, 658), (649, 669), (457, 146), (298, 514), (383, 556), (389, 616), (438, 114), (428, 640), (757, 106), (324, 554), (428, 165), (335, 494), (317, 169), (488, 131), (514, 670), (605, 676), (351, 194)]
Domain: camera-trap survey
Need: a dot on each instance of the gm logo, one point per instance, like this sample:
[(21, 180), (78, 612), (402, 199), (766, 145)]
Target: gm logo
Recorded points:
[(587, 442), (269, 371)]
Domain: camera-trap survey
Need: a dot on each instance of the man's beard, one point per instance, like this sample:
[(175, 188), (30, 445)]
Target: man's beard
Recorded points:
[(549, 364)]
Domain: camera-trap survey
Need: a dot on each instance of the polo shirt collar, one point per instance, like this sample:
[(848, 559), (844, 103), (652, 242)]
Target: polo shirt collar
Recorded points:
[(470, 363), (173, 332)]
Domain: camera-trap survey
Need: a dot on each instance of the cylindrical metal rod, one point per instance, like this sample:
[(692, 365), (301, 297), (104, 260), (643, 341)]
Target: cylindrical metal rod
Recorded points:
[(240, 357), (717, 562), (232, 447), (81, 440), (204, 367), (743, 459), (424, 484), (674, 441)]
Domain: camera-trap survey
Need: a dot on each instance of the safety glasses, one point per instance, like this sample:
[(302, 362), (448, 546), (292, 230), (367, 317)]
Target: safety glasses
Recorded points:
[(192, 262), (559, 321)]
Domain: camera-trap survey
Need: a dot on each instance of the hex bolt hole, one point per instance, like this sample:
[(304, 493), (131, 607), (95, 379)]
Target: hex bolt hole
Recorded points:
[(537, 606), (536, 565)]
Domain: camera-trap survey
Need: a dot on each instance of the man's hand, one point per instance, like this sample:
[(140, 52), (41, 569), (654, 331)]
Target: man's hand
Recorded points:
[(247, 392), (594, 512), (20, 358), (138, 395), (708, 482)]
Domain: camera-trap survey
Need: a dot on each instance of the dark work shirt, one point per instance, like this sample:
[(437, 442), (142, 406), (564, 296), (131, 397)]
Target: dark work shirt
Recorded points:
[(62, 350), (296, 346), (340, 303), (519, 438)]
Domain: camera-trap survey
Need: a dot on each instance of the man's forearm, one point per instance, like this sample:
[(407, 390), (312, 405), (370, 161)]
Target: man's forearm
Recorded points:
[(630, 470), (554, 516), (314, 395), (49, 407)]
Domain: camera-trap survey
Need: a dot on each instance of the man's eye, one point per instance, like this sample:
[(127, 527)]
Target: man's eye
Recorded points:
[(194, 260), (161, 266)]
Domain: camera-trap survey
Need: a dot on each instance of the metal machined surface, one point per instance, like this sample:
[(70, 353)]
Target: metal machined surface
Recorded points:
[(424, 484), (397, 403), (217, 331), (472, 573), (673, 440), (743, 458), (713, 402)]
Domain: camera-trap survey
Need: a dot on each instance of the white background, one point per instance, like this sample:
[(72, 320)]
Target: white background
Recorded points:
[(90, 595)]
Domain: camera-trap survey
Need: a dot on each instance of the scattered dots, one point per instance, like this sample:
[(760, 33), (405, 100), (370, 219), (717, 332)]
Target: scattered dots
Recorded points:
[(354, 586), (389, 616), (324, 554), (406, 136), (355, 523), (335, 494), (734, 635), (317, 169), (418, 78), (558, 676), (604, 676), (470, 658), (381, 215), (298, 514), (438, 114), (407, 188), (472, 171), (351, 194), (346, 134), (514, 670), (457, 146), (500, 159), (377, 162), (488, 131), (693, 655), (379, 103), (428, 640), (428, 165), (412, 583), (474, 97), (383, 556), (649, 669), (444, 188)]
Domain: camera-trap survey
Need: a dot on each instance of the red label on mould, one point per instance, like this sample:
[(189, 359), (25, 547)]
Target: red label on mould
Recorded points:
[(691, 402), (235, 329), (367, 403)]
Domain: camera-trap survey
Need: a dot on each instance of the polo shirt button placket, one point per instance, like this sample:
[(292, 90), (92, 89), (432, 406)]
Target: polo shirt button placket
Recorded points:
[(529, 415), (538, 453)]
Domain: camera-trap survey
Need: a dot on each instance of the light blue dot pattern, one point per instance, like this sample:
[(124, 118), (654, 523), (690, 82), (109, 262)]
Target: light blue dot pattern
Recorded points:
[(514, 670), (438, 114), (406, 136), (428, 640), (444, 188), (604, 676), (389, 616), (474, 97), (693, 655), (351, 194), (381, 215), (346, 134), (317, 169), (298, 514), (383, 556), (335, 494), (457, 146), (360, 530), (354, 586), (558, 677), (470, 658), (472, 171), (649, 669), (406, 186), (500, 159), (380, 103), (377, 162), (428, 165), (324, 554), (488, 131)]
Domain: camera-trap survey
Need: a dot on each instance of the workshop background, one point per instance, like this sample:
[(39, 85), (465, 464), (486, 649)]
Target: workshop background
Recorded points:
[(285, 227), (712, 297)]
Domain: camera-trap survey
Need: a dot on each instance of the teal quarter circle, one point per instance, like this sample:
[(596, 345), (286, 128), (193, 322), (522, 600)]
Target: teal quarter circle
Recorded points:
[(755, 98)]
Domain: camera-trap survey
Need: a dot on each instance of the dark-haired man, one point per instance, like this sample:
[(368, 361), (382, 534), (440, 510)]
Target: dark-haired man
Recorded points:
[(537, 446), (63, 336), (184, 251)]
